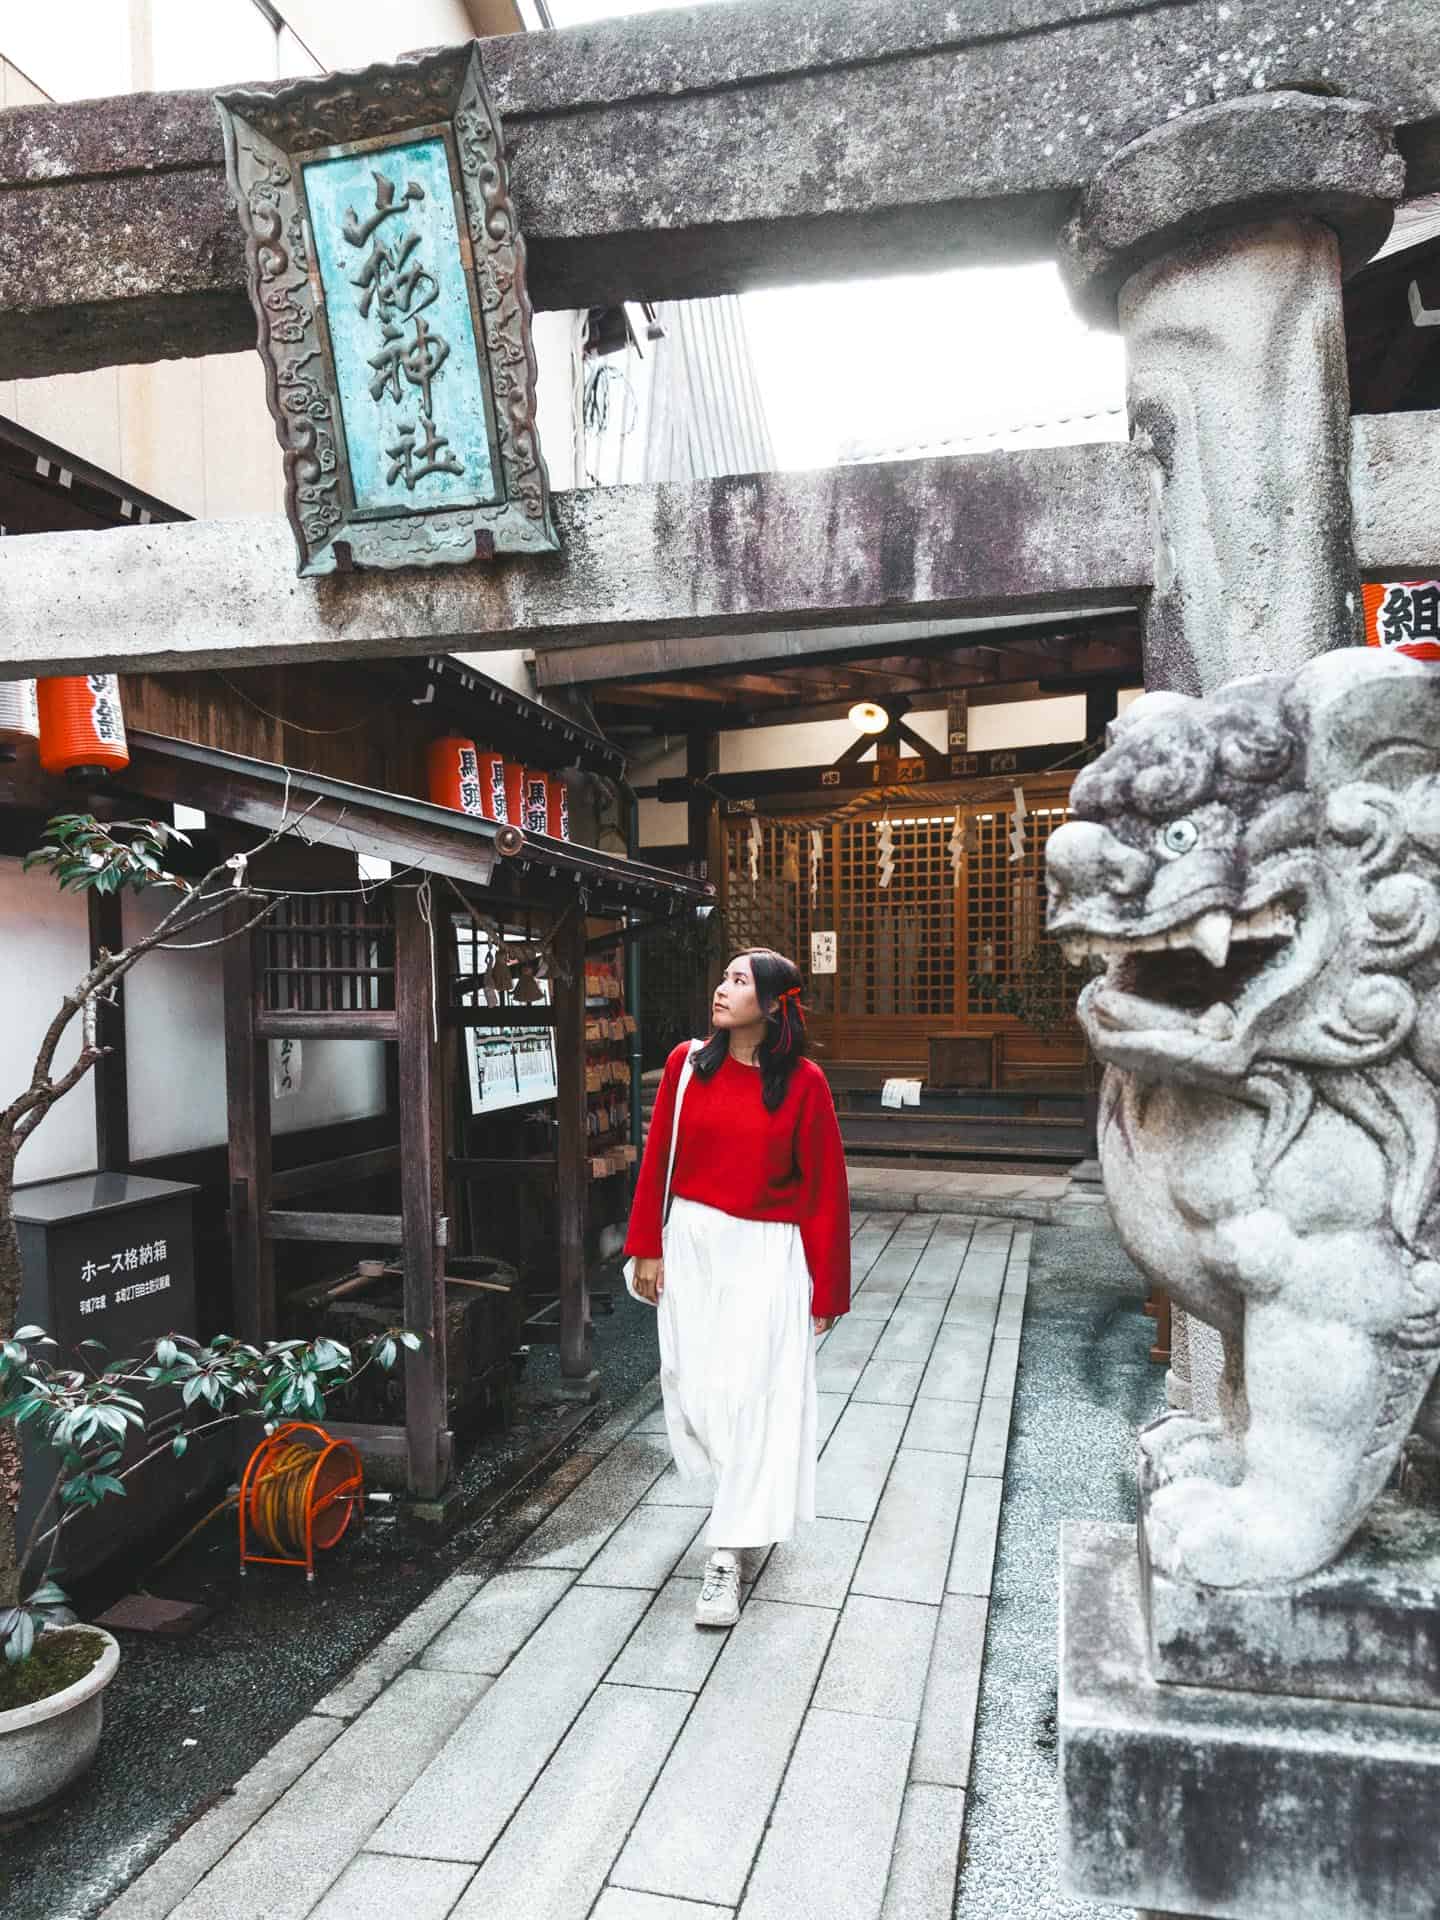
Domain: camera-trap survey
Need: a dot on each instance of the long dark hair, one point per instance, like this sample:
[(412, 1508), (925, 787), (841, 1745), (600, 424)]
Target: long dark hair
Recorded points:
[(777, 988)]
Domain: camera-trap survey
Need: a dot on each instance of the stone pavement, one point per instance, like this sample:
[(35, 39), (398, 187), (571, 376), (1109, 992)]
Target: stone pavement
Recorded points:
[(559, 1741), (1048, 1199)]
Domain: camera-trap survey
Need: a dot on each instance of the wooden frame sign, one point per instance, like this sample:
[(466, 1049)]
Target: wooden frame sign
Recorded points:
[(387, 273)]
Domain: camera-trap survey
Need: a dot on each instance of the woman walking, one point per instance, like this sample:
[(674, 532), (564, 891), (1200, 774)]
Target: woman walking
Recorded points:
[(740, 1236)]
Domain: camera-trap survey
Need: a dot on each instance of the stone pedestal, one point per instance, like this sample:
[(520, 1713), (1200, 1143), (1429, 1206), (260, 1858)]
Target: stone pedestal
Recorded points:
[(1365, 1628), (582, 1387), (1219, 1802)]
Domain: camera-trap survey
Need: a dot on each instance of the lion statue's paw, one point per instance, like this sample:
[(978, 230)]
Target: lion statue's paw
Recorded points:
[(1232, 1536), (1178, 1446)]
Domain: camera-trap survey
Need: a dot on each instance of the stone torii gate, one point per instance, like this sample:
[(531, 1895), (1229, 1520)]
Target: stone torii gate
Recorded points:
[(701, 153), (1207, 172)]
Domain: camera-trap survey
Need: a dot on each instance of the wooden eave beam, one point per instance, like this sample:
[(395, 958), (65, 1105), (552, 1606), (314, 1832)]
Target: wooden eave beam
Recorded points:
[(692, 154)]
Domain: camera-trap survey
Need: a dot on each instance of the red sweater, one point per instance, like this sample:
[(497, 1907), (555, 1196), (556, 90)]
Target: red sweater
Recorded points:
[(737, 1156)]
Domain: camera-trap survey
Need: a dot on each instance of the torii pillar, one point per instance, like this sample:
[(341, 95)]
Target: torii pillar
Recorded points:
[(1219, 244)]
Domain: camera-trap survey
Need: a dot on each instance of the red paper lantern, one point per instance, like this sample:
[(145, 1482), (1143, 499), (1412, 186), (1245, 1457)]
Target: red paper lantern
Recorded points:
[(514, 792), (453, 768), (82, 725), (535, 817), (558, 807), (492, 785)]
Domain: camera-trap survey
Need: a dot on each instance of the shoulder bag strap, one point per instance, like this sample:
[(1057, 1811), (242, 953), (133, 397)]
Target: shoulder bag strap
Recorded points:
[(686, 1074)]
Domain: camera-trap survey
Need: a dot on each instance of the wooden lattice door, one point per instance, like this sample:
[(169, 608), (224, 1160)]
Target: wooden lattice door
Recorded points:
[(907, 951), (1004, 906)]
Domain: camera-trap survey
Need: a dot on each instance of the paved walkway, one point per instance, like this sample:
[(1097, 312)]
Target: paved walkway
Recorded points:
[(559, 1742), (1053, 1199)]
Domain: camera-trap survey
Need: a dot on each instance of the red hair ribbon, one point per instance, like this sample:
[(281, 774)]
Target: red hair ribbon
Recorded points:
[(790, 997)]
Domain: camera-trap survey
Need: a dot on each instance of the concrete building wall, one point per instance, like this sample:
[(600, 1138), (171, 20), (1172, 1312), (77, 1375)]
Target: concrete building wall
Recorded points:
[(340, 1079)]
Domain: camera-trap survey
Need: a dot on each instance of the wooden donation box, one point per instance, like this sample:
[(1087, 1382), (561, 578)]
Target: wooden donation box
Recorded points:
[(109, 1257), (962, 1060)]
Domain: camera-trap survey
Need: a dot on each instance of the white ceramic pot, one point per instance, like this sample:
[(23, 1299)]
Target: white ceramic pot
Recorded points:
[(50, 1743)]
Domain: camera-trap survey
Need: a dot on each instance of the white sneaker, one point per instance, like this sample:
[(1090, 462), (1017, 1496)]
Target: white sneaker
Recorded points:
[(719, 1602)]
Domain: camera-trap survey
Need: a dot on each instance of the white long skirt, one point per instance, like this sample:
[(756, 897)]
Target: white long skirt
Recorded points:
[(737, 1368)]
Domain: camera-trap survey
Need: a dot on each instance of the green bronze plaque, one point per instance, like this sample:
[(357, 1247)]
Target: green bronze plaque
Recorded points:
[(388, 279)]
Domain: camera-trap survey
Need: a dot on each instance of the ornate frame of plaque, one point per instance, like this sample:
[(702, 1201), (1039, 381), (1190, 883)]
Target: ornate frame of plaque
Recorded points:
[(387, 273)]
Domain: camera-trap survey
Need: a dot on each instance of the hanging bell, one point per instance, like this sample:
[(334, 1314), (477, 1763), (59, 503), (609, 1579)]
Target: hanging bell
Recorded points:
[(526, 987)]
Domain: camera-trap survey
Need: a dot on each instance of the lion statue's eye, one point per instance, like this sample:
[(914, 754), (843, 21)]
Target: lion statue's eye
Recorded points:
[(1180, 836)]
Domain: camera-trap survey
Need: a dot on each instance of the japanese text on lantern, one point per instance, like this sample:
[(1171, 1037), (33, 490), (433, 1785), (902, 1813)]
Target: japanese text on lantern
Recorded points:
[(105, 709), (395, 289), (469, 781), (1404, 615)]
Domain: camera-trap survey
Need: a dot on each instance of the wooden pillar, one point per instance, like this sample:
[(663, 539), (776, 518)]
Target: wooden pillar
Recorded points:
[(577, 1375), (247, 1097), (421, 1175), (704, 854), (702, 758), (112, 1099), (1102, 702)]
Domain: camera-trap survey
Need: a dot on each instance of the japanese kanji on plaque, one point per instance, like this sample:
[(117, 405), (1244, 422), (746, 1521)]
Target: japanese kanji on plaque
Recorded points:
[(387, 274)]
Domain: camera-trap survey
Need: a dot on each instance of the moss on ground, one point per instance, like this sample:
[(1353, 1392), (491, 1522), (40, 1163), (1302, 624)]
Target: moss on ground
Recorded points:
[(59, 1660)]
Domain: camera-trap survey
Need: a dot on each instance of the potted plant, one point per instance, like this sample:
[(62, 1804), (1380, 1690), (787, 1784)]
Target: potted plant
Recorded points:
[(85, 1411), (89, 1419)]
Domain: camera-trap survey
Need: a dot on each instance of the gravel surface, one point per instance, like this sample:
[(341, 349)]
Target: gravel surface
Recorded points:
[(1086, 1382)]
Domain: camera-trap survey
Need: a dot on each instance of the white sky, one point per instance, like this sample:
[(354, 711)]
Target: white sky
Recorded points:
[(970, 352)]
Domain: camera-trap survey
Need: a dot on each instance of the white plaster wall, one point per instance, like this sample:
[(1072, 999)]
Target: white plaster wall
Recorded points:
[(663, 824), (175, 1052), (16, 88), (175, 1056), (351, 33), (809, 743), (44, 945), (1028, 723)]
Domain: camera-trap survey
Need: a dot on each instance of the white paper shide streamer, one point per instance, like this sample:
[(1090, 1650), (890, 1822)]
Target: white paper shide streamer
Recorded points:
[(1017, 827), (817, 854), (885, 850), (756, 841), (958, 841)]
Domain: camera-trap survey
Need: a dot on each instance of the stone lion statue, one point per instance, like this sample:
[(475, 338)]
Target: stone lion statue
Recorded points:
[(1258, 873)]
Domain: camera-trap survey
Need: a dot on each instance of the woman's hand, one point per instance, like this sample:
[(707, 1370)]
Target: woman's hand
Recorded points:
[(822, 1321), (650, 1280)]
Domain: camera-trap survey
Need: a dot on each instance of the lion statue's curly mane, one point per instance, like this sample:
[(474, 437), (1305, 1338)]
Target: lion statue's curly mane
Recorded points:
[(1258, 874)]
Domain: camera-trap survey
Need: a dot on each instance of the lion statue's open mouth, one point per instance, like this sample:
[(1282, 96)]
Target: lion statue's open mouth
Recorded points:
[(1201, 976)]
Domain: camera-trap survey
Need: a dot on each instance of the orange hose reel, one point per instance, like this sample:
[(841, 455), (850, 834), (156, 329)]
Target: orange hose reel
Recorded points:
[(298, 1494)]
